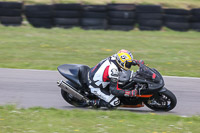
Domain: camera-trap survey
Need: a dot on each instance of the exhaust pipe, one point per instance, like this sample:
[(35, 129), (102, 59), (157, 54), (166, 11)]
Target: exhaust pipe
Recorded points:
[(71, 90)]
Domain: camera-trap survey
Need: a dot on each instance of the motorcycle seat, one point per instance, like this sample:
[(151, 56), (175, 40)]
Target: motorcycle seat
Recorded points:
[(75, 73)]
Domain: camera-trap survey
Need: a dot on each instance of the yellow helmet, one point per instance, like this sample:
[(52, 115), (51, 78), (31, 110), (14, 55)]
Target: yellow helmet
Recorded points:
[(124, 58)]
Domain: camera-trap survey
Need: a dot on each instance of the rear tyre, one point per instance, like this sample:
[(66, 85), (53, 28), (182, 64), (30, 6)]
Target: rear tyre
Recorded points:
[(163, 101), (71, 100)]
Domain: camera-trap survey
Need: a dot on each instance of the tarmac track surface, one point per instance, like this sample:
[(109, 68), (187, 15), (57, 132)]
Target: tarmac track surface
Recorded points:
[(30, 88)]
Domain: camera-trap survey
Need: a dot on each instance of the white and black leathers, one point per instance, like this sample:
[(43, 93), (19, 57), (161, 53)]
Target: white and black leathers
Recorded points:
[(103, 81)]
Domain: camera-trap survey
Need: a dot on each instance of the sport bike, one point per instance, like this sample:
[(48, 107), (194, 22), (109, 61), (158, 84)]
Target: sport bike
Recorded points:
[(148, 82)]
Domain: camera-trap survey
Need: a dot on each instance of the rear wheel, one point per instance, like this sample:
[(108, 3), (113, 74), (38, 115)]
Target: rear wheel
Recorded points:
[(163, 101), (71, 100)]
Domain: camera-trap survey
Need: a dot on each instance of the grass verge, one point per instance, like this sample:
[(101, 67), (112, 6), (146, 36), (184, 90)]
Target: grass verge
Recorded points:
[(171, 52), (40, 120)]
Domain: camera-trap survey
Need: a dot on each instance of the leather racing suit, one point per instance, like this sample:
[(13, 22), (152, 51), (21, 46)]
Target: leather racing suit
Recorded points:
[(103, 82)]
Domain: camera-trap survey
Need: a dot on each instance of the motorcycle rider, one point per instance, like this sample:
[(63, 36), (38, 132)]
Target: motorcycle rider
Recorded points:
[(103, 79)]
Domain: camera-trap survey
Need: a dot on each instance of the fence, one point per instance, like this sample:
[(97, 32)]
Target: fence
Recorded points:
[(111, 16)]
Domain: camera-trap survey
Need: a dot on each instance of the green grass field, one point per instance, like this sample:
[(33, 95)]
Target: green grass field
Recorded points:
[(187, 4), (39, 120), (171, 52)]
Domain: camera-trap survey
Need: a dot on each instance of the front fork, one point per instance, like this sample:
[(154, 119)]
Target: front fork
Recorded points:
[(152, 101)]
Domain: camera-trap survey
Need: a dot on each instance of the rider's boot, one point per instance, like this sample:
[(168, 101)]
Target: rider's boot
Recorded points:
[(94, 103), (97, 103)]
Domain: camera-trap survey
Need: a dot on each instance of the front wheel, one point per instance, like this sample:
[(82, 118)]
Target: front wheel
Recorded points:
[(71, 100), (162, 101)]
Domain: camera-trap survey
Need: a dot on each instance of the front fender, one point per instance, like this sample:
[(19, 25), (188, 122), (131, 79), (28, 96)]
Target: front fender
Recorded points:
[(163, 89)]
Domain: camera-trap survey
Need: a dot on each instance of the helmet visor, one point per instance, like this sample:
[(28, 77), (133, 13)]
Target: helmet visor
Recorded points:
[(128, 64)]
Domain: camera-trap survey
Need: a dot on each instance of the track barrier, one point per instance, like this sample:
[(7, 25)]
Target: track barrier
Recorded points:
[(107, 17)]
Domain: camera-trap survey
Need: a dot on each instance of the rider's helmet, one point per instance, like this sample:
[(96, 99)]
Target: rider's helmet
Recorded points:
[(124, 58)]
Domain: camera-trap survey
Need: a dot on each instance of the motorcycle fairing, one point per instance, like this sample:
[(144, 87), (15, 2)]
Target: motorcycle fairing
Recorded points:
[(160, 82)]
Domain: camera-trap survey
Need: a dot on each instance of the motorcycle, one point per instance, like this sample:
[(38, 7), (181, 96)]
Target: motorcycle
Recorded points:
[(148, 82)]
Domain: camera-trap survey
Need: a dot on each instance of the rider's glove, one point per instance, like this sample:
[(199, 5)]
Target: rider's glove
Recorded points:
[(132, 93), (140, 62), (137, 62), (134, 62)]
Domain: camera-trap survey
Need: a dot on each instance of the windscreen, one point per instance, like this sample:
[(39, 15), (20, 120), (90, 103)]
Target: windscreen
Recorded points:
[(145, 72)]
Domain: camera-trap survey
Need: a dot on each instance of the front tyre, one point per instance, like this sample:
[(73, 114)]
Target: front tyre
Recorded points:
[(162, 101), (71, 100)]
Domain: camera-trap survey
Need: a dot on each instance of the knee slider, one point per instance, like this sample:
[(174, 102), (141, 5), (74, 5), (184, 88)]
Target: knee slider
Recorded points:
[(115, 102)]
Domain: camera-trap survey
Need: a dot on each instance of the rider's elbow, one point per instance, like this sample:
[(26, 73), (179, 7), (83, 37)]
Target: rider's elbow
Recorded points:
[(113, 92)]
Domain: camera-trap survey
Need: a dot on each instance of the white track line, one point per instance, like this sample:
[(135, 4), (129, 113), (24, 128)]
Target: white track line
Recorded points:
[(176, 77)]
